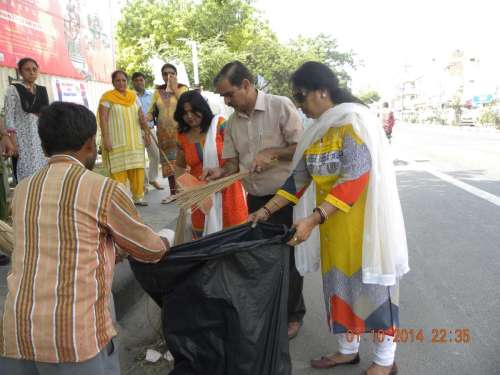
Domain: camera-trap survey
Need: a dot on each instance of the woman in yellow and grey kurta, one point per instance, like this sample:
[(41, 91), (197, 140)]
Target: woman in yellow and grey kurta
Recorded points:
[(338, 162), (121, 120)]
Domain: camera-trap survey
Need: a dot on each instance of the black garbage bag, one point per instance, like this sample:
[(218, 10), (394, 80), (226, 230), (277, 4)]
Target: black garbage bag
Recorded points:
[(224, 302)]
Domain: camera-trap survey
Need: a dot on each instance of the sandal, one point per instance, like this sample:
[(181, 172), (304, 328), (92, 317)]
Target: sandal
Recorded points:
[(326, 362), (169, 199)]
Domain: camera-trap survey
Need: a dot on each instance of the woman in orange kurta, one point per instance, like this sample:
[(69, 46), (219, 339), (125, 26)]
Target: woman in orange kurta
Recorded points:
[(194, 119)]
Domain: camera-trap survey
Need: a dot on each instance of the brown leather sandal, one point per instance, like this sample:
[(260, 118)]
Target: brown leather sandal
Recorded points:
[(326, 362)]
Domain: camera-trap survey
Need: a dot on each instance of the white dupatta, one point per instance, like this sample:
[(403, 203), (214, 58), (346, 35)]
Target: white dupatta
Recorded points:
[(385, 250), (213, 220)]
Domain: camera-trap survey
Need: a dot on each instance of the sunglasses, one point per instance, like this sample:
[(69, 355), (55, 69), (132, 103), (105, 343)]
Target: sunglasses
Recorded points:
[(299, 96)]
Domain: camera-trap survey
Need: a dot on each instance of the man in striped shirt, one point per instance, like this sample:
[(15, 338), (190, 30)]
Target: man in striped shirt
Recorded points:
[(70, 226)]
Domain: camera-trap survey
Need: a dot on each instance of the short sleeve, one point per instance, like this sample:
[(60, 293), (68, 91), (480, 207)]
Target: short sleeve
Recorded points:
[(105, 104), (290, 122)]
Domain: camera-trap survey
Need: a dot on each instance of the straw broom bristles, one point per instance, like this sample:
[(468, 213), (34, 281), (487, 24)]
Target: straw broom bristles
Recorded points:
[(6, 238), (194, 196)]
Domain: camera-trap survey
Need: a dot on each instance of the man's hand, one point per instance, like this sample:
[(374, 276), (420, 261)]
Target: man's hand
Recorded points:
[(259, 215), (8, 147), (212, 174), (264, 160), (303, 229)]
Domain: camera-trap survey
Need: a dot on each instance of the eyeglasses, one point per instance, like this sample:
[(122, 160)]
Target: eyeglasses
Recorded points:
[(299, 96)]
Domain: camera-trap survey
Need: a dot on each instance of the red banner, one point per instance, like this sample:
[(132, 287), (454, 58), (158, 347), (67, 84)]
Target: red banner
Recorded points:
[(69, 38)]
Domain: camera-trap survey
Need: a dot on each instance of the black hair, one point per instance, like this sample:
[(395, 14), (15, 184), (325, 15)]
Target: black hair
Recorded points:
[(116, 72), (25, 60), (385, 105), (167, 65), (235, 72), (137, 75), (64, 126), (312, 76), (199, 105)]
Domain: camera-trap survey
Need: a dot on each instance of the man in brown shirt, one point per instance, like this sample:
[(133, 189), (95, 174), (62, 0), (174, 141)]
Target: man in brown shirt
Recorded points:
[(261, 136), (70, 225)]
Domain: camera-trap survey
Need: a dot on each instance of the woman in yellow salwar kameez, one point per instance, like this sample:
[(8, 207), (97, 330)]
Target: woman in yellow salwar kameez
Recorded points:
[(342, 153), (121, 120)]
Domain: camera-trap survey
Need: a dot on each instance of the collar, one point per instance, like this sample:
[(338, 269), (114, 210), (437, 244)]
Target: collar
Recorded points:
[(260, 104), (146, 93), (64, 158)]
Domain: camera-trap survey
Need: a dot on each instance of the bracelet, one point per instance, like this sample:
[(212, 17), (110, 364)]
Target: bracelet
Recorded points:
[(268, 211), (322, 213)]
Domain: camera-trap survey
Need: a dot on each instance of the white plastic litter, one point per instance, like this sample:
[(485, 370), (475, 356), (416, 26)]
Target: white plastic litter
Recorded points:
[(168, 356), (152, 355)]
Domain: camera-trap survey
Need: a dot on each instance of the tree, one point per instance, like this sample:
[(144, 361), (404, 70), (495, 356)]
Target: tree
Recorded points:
[(224, 30), (369, 96)]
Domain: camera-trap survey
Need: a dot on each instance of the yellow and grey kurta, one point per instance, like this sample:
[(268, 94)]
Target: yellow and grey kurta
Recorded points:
[(339, 164)]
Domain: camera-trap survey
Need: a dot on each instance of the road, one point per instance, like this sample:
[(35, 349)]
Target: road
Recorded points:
[(449, 183)]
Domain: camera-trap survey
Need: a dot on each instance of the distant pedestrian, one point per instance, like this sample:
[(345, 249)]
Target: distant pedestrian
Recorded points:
[(164, 103), (200, 140), (121, 119), (145, 97), (23, 103), (362, 235), (70, 227), (388, 121)]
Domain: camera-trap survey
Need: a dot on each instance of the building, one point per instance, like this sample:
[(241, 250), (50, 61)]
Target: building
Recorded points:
[(72, 40)]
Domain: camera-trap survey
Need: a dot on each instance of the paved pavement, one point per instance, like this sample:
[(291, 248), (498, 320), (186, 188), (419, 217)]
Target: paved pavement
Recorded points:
[(454, 242)]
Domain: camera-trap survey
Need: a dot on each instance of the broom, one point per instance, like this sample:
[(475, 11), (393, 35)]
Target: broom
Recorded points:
[(196, 195), (6, 238)]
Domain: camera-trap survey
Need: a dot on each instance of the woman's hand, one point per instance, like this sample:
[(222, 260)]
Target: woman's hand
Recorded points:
[(172, 82), (107, 144), (259, 215), (303, 229)]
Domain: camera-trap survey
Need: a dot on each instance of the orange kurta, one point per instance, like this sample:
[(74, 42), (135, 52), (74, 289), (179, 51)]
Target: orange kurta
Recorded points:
[(234, 207)]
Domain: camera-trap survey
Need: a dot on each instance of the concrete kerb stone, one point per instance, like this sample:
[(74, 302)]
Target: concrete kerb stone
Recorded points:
[(478, 129)]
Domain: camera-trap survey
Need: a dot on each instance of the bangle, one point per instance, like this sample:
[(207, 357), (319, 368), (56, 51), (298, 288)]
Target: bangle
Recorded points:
[(268, 211), (11, 131), (322, 213)]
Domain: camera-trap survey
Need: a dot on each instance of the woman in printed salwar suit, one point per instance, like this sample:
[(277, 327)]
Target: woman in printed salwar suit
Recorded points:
[(362, 235)]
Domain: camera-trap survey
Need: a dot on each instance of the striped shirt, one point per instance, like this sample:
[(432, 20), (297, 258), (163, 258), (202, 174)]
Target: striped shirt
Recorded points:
[(69, 224)]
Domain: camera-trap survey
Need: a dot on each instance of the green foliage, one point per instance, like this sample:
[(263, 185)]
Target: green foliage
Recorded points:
[(369, 96), (224, 30), (490, 116)]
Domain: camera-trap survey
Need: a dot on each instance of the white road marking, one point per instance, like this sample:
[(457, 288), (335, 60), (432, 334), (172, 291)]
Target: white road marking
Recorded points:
[(492, 198)]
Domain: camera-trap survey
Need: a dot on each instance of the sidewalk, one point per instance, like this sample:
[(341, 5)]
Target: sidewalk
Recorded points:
[(138, 317)]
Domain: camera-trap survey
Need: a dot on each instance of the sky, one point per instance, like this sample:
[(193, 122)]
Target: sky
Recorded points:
[(388, 34)]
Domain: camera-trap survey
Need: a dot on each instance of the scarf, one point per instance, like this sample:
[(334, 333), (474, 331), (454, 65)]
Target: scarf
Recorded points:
[(384, 251), (32, 103), (115, 97), (213, 220)]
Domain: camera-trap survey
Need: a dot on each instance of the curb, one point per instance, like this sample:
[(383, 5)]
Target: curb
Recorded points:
[(475, 129)]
